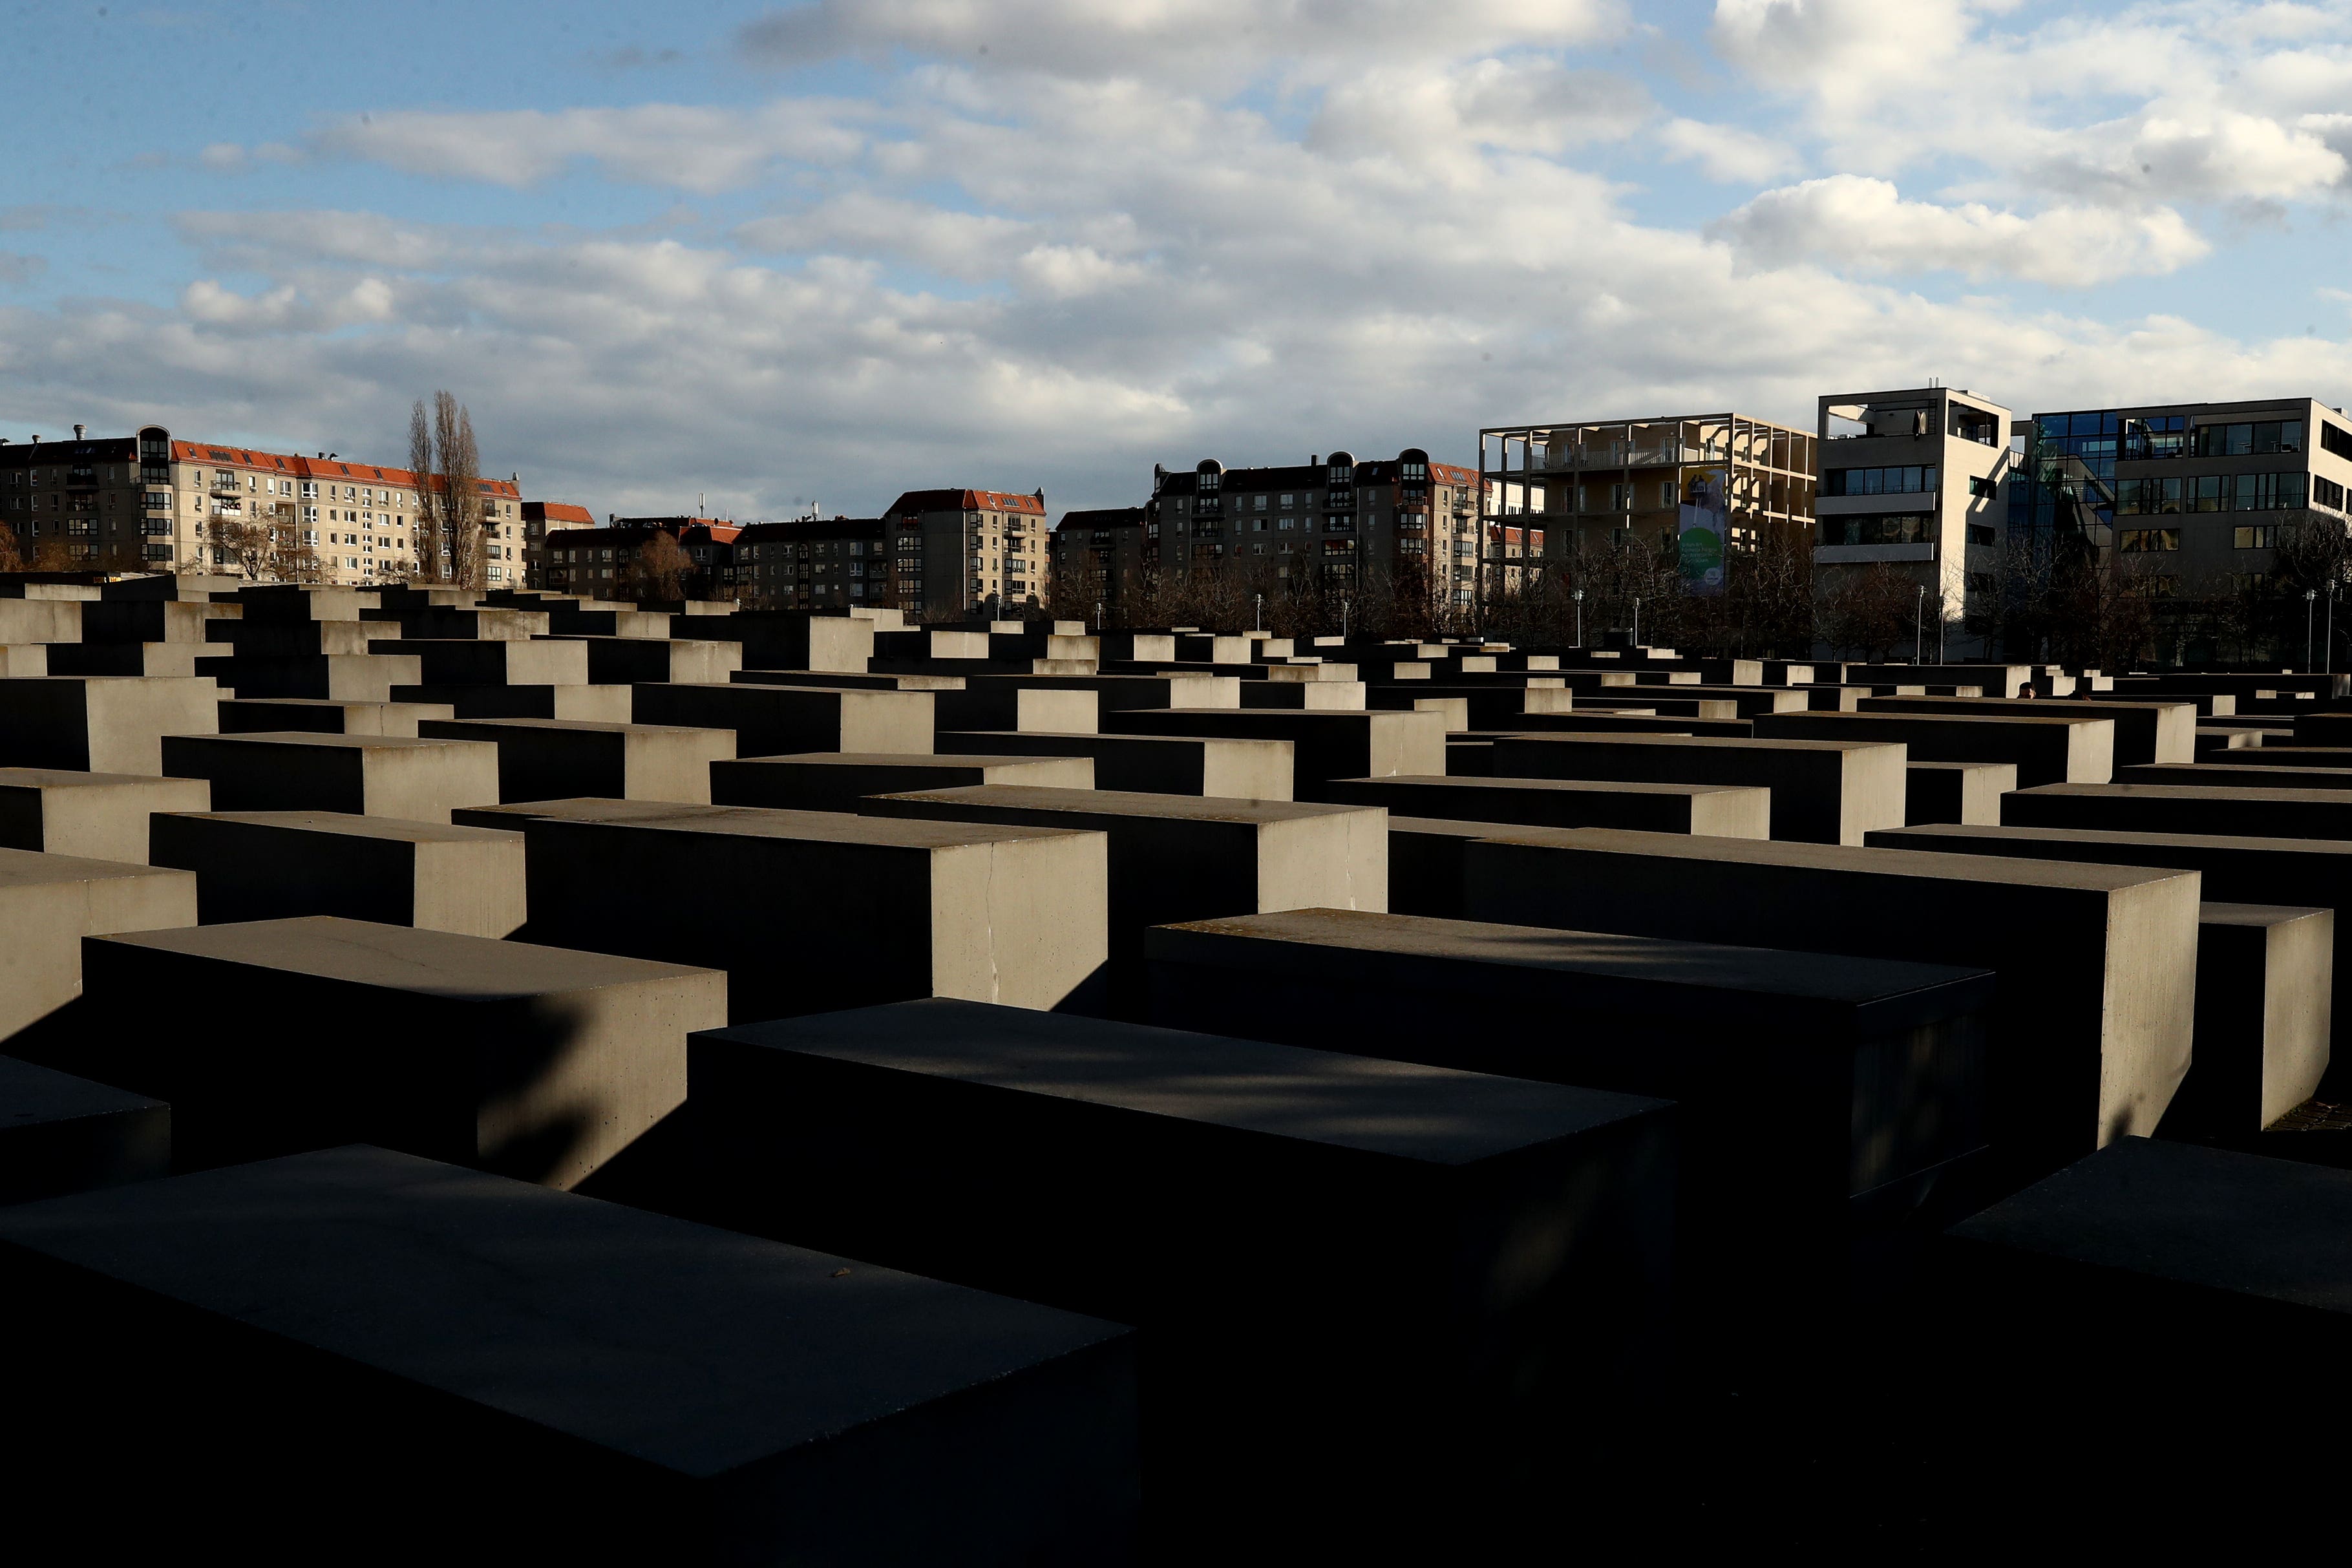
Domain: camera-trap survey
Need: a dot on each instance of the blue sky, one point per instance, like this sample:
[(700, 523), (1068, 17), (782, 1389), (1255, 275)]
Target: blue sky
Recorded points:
[(823, 252)]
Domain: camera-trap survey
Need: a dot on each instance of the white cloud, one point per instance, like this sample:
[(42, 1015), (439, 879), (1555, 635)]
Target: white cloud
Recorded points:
[(1726, 154), (1854, 224), (1422, 114)]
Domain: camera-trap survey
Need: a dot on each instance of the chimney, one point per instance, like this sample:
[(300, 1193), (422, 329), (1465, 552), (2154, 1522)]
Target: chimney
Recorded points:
[(78, 430), (1314, 460)]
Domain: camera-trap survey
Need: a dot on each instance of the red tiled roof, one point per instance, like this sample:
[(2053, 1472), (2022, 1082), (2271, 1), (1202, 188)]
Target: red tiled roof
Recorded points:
[(334, 469), (564, 512)]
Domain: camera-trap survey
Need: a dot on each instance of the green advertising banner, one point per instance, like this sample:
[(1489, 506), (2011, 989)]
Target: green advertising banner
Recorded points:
[(1705, 523)]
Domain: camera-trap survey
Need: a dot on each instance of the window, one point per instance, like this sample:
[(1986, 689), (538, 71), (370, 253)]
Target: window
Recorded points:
[(2138, 540), (1900, 528), (2335, 438), (1909, 481), (1982, 534), (1982, 488), (2149, 498), (2249, 439), (2249, 582), (2326, 492), (2262, 537)]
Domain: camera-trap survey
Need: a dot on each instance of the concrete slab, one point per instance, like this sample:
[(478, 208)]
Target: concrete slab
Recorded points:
[(2258, 769), (1725, 811), (248, 715), (2184, 808), (536, 1062), (1325, 745), (417, 780), (59, 1133), (2151, 731), (331, 677), (555, 759), (1824, 791), (98, 817), (2092, 1023), (106, 724), (1152, 765), (1805, 1082), (2044, 748), (449, 1356), (274, 865), (995, 702), (581, 704), (50, 902), (811, 911), (153, 620), (781, 720), (624, 661), (836, 781), (124, 658), (1955, 792), (2265, 997), (489, 662), (1383, 1212)]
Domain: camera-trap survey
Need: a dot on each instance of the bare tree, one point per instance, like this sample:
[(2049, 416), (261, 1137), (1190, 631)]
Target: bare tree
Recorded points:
[(659, 569), (447, 464), (12, 557)]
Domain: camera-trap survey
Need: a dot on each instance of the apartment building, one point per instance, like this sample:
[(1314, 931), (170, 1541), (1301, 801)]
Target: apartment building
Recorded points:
[(2188, 498), (814, 563), (1912, 481), (151, 502), (1613, 483), (541, 517), (958, 552), (1098, 554), (1337, 517), (598, 562)]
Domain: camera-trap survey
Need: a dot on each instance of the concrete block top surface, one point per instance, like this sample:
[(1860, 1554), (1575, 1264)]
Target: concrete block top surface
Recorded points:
[(348, 825), (1706, 743), (1126, 803), (1559, 786), (317, 739), (906, 760), (569, 726), (1450, 827), (1649, 965), (405, 958), (2250, 796), (776, 822), (32, 869), (38, 1096), (67, 778), (2210, 1218), (2199, 844), (2254, 915), (1844, 858), (1437, 1115), (695, 1350)]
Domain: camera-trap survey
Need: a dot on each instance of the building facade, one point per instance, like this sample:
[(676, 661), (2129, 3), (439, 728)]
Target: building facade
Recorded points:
[(2184, 497), (1613, 483), (1335, 519), (151, 502), (1097, 557), (955, 554), (541, 517), (814, 564), (1912, 481), (601, 563)]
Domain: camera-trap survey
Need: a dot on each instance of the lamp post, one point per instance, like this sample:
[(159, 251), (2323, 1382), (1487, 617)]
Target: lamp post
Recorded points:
[(1257, 615), (2309, 595), (1920, 626), (1637, 621), (1578, 596)]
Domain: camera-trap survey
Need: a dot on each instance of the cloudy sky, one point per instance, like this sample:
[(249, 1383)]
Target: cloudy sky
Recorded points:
[(827, 251)]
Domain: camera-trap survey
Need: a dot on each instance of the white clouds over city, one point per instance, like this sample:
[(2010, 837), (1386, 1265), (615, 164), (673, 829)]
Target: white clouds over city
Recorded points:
[(1149, 232)]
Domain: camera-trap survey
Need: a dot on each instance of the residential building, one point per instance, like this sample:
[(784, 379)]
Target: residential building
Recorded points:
[(814, 564), (541, 517), (2188, 498), (151, 502), (1912, 481), (1335, 518), (960, 553), (1612, 483), (597, 562), (1098, 555)]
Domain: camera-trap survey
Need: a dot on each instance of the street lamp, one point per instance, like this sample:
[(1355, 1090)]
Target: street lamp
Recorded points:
[(1918, 627), (1637, 622), (2309, 595), (1257, 615), (1578, 596)]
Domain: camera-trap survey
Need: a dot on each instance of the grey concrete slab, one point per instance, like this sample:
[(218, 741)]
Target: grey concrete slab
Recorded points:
[(789, 639), (2260, 748), (418, 780), (2144, 731), (245, 715), (1156, 764), (844, 680), (50, 902), (177, 659), (537, 1062), (1824, 791), (1955, 792), (60, 1135), (96, 817), (998, 702), (39, 621), (252, 639), (437, 623), (1425, 857), (2256, 769), (107, 724), (589, 704), (1324, 745), (2097, 964), (836, 781), (154, 620), (491, 662), (555, 759), (274, 865), (812, 911), (1725, 811), (2044, 750), (297, 601), (333, 677), (1384, 1212), (1805, 1082), (1178, 857), (2231, 812), (782, 721), (1310, 696), (2266, 998), (624, 661), (418, 1355)]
